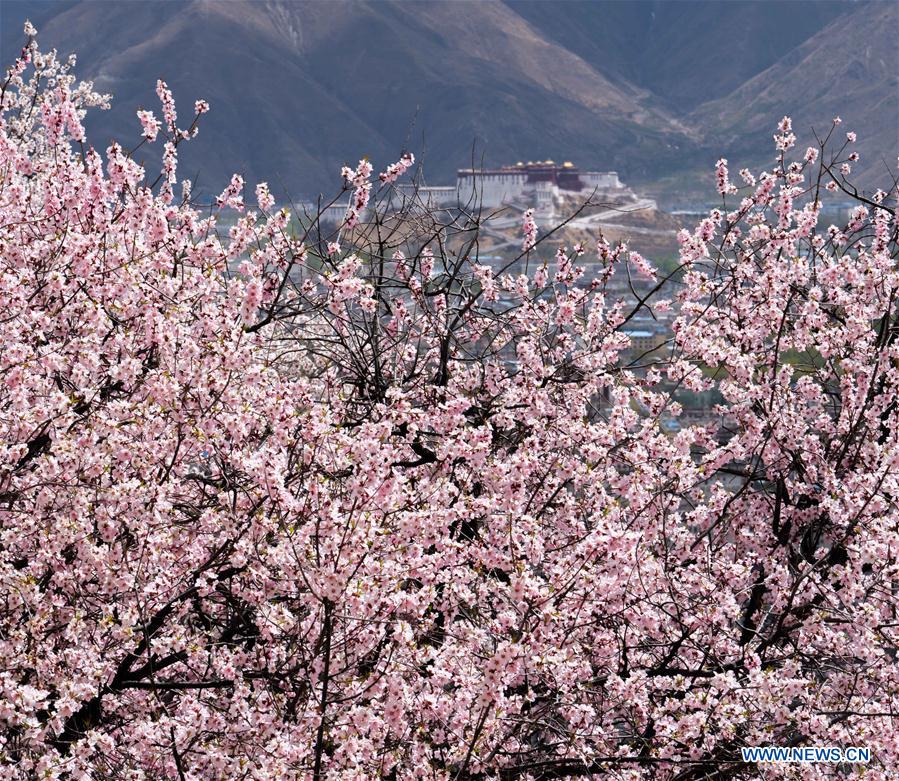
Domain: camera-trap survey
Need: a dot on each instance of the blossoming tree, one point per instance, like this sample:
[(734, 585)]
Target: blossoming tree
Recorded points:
[(282, 504)]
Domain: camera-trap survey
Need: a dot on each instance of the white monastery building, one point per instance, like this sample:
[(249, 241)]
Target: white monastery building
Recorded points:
[(540, 184)]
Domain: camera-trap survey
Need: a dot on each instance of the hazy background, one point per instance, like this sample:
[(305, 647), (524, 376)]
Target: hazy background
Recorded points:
[(655, 89)]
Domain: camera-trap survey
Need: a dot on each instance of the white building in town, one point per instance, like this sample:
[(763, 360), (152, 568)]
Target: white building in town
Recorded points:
[(541, 184)]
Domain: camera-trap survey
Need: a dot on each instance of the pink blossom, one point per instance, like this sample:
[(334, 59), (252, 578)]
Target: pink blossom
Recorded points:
[(723, 182), (747, 177), (170, 162), (785, 139), (643, 266), (529, 229), (397, 169), (232, 195), (263, 197), (484, 275), (149, 123), (168, 105), (361, 184)]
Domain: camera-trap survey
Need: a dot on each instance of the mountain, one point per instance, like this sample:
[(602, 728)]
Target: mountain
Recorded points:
[(849, 68), (654, 89), (684, 53)]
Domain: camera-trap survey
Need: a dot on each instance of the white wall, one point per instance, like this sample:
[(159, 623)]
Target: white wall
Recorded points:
[(490, 190)]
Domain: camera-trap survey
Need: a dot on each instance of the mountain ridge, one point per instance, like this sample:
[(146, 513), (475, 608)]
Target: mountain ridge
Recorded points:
[(300, 88)]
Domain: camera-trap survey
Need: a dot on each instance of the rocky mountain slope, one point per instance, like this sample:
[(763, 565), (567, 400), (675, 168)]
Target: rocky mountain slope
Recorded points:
[(850, 68)]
